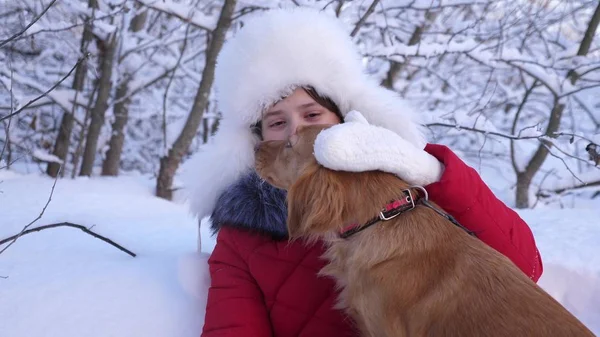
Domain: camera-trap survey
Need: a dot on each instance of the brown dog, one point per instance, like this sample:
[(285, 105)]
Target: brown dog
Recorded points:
[(416, 274)]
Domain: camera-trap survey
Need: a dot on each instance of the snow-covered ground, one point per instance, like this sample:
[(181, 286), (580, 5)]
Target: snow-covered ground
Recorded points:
[(63, 282)]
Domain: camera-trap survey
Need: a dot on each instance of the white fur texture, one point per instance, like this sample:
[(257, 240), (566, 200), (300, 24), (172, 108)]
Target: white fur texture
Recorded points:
[(274, 53), (216, 166), (357, 146)]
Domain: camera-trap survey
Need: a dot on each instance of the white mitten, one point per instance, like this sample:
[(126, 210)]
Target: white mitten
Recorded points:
[(358, 146)]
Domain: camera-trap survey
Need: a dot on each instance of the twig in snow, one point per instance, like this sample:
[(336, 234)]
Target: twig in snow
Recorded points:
[(14, 238), (29, 25), (72, 225), (364, 18), (81, 59)]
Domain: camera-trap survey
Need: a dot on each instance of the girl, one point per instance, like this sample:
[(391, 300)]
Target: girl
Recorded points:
[(288, 68)]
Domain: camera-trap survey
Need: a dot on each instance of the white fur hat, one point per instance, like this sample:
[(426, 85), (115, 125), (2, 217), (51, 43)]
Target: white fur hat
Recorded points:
[(274, 53)]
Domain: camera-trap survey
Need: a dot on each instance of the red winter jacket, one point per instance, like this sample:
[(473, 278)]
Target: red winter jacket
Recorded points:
[(266, 287)]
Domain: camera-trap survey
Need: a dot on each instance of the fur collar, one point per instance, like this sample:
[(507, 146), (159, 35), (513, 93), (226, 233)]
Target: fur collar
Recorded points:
[(252, 203)]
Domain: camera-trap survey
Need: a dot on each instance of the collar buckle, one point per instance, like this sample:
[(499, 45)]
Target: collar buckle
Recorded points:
[(398, 207)]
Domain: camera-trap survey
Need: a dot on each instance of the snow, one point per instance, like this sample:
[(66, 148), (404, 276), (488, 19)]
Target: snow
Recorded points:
[(63, 282), (45, 156), (568, 242), (571, 181)]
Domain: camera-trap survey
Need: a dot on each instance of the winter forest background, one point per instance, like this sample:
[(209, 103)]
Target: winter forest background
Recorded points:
[(101, 87), (92, 88)]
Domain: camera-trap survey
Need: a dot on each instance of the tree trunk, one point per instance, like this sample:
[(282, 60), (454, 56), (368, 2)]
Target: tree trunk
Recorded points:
[(110, 166), (82, 132), (100, 107), (525, 177), (7, 147), (390, 77), (587, 40), (170, 163), (63, 139), (112, 161)]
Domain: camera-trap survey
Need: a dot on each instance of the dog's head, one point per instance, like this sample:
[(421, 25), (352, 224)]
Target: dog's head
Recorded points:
[(315, 202), (281, 162)]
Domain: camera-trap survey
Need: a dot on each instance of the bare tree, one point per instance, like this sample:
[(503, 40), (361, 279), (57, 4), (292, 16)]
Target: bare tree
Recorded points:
[(107, 55), (170, 162), (110, 166), (63, 139), (525, 176)]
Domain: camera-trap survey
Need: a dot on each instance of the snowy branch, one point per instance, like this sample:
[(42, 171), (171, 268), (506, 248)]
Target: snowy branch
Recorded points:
[(4, 42), (186, 14), (67, 224), (81, 59), (364, 18), (508, 136), (428, 5), (71, 26)]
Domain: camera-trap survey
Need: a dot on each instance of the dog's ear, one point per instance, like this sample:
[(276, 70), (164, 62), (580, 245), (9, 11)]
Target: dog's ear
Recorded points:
[(315, 203)]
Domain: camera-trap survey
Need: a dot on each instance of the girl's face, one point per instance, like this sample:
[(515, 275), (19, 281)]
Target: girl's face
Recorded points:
[(281, 121)]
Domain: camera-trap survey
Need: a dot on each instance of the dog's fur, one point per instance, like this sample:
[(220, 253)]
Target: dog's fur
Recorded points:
[(415, 275)]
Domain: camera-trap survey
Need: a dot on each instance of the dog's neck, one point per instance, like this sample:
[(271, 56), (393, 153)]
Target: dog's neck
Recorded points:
[(368, 192), (418, 231)]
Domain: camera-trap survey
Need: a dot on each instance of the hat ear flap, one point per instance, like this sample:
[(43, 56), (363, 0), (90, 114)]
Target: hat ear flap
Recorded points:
[(216, 166)]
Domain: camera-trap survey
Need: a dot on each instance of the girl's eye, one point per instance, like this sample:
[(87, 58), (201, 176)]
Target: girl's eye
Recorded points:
[(276, 124), (313, 115)]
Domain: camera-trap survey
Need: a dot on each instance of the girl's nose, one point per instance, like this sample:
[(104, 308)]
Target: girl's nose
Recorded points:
[(293, 139)]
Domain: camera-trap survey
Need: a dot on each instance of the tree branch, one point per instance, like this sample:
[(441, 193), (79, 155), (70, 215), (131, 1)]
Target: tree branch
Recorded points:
[(81, 59), (577, 186), (72, 225), (180, 16), (65, 28), (549, 150), (7, 127), (586, 42), (364, 18), (514, 125), (29, 25), (169, 83), (507, 136), (14, 238)]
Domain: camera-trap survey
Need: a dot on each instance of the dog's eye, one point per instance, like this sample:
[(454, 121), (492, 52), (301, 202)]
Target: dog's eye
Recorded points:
[(288, 144)]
